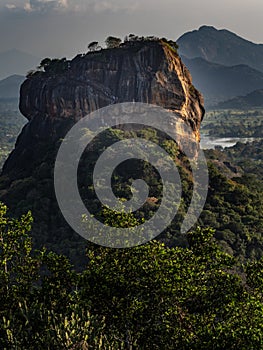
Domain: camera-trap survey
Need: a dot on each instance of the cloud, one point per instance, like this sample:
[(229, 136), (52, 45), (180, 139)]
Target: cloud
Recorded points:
[(81, 6), (45, 5), (114, 6), (34, 6), (99, 6), (10, 6)]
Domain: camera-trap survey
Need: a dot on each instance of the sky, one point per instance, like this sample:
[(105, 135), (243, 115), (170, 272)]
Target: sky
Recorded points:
[(64, 28)]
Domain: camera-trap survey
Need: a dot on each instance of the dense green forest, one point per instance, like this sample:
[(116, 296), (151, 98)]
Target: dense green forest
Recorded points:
[(202, 290), (233, 208), (148, 297), (234, 205), (206, 294)]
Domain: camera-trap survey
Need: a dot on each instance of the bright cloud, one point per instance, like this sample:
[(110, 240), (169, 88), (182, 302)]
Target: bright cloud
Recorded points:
[(43, 5), (62, 27), (96, 6), (114, 6), (10, 6), (35, 5)]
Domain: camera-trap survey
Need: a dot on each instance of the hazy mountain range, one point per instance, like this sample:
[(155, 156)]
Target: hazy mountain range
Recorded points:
[(16, 62), (221, 46), (253, 99), (223, 66), (9, 87), (220, 83)]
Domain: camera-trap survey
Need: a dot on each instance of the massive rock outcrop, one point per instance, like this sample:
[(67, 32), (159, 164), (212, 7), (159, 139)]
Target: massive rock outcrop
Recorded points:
[(148, 72), (52, 101)]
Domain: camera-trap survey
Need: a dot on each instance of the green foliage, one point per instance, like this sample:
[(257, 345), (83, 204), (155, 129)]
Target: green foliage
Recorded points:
[(171, 44), (157, 297), (116, 218), (45, 63), (112, 42), (15, 248), (147, 297), (40, 306), (133, 169), (234, 205), (254, 271), (55, 65), (93, 46)]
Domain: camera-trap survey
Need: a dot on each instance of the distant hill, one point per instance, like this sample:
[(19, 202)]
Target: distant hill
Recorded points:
[(16, 62), (220, 83), (252, 100), (221, 46), (9, 87)]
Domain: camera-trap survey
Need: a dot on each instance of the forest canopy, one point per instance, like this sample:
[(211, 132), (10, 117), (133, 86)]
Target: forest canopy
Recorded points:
[(147, 297)]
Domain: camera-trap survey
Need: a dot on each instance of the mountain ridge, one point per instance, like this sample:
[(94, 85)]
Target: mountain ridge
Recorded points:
[(252, 100), (15, 61), (221, 46), (219, 83), (10, 86)]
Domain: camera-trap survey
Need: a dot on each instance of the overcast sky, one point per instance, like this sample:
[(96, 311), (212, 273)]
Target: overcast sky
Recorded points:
[(58, 28)]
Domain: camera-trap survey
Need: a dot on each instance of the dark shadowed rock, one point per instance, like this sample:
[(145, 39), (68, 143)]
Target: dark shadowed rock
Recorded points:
[(52, 101)]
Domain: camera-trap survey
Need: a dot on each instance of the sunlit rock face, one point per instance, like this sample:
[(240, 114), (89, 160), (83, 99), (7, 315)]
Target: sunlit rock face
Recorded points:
[(149, 72)]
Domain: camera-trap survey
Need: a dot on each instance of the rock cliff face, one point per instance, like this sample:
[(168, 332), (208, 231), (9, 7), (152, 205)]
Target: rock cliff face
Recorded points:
[(52, 101), (149, 72)]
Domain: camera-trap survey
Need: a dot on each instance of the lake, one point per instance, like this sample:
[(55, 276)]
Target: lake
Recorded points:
[(208, 142)]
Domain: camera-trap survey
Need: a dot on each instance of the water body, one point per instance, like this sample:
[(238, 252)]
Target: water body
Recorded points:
[(208, 142)]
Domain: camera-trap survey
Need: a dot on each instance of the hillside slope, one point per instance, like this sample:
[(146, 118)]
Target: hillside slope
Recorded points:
[(219, 83), (16, 62), (10, 86), (221, 46), (251, 100)]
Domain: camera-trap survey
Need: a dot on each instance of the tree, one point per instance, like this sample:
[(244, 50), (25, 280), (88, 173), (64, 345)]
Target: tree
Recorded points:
[(31, 73), (55, 65), (93, 46), (18, 267), (39, 303), (146, 297), (45, 63), (112, 42), (156, 297), (35, 287), (132, 37)]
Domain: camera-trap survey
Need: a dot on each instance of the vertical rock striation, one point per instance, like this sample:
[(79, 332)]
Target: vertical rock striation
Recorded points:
[(52, 101)]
